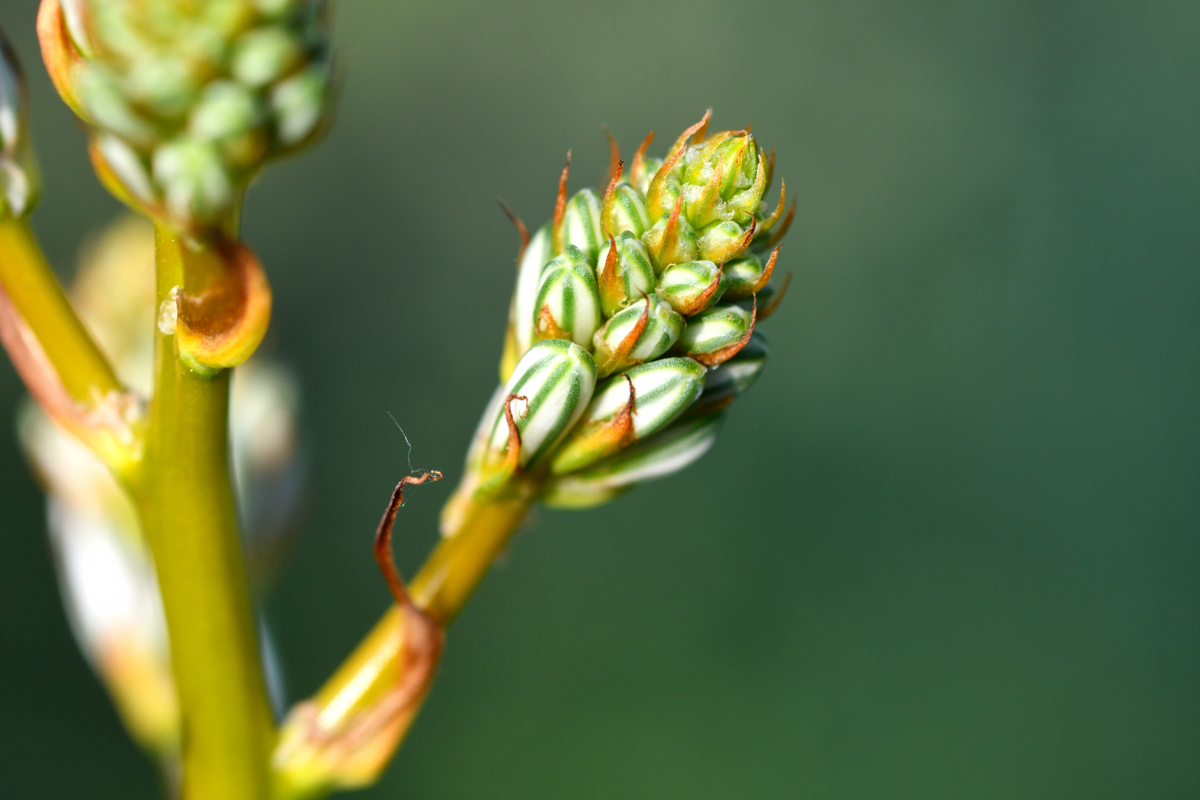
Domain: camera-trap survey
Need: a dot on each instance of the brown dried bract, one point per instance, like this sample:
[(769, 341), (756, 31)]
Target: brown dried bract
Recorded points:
[(560, 207), (224, 306), (778, 298), (521, 229), (383, 536)]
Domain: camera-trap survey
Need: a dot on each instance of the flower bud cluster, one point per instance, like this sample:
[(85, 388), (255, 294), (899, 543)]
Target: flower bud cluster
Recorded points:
[(187, 99), (18, 170), (632, 324)]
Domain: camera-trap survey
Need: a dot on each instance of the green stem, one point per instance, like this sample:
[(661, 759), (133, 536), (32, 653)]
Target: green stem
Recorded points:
[(41, 302), (188, 512)]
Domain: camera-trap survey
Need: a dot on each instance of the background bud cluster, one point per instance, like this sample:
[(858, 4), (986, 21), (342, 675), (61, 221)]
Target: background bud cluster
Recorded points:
[(632, 324), (187, 99)]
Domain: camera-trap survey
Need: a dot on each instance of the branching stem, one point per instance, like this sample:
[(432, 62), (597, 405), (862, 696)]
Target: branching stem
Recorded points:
[(187, 507)]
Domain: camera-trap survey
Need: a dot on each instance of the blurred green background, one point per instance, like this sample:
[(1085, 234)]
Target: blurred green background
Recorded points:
[(946, 548)]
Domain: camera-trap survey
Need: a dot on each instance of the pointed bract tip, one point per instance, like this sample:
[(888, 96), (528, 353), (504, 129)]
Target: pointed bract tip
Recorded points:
[(778, 298)]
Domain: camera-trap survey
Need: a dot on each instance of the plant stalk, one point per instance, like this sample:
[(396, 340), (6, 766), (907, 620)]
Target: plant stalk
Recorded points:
[(188, 512), (37, 296)]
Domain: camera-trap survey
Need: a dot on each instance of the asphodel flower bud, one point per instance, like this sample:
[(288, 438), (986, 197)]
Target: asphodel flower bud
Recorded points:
[(581, 224), (19, 182), (654, 457), (556, 378), (628, 407), (198, 95), (748, 275), (568, 300), (624, 274), (626, 212), (693, 286), (639, 333), (715, 187), (716, 335), (522, 312)]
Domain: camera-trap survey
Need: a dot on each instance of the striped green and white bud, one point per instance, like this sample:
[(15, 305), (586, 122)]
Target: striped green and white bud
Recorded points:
[(529, 280), (19, 182), (631, 406), (624, 276), (715, 330), (557, 378), (581, 224), (619, 344), (627, 212), (201, 93), (693, 286), (657, 456), (745, 273), (726, 381), (568, 300)]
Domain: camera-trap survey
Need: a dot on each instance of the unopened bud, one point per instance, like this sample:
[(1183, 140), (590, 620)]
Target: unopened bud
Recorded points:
[(557, 379), (657, 456), (529, 280), (231, 116), (568, 300), (619, 343), (628, 407), (301, 104), (693, 286), (747, 276), (715, 330), (626, 276), (581, 224), (627, 212)]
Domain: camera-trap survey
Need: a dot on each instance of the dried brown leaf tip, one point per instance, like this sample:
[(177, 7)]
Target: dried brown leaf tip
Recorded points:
[(522, 231), (345, 736), (560, 207)]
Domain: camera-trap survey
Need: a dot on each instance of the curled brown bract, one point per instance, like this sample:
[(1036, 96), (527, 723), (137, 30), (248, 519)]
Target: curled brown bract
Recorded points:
[(782, 230), (224, 306), (637, 170), (768, 271), (383, 536)]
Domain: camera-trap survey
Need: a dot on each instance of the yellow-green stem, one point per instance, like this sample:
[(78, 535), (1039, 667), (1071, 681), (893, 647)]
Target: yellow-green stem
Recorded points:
[(188, 512), (36, 294)]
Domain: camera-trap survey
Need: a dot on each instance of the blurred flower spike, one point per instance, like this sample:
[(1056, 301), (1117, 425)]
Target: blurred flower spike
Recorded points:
[(650, 286), (106, 571), (186, 100), (19, 182)]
